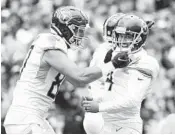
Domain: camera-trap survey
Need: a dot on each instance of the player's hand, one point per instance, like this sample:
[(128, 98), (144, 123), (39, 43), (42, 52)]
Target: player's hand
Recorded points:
[(88, 98), (90, 106), (121, 60), (108, 56)]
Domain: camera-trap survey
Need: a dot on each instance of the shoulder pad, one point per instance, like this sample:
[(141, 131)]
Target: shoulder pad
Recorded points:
[(149, 65), (145, 64), (48, 41)]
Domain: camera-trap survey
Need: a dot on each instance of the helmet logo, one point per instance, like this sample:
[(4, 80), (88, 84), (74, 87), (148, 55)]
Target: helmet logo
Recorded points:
[(121, 30), (109, 33), (65, 18)]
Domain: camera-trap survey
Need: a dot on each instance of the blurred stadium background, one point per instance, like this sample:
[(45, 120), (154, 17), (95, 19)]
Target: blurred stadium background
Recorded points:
[(22, 20)]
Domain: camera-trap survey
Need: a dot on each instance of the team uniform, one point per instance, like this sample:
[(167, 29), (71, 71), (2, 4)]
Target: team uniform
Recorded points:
[(36, 89), (129, 83), (96, 90), (125, 89), (41, 72)]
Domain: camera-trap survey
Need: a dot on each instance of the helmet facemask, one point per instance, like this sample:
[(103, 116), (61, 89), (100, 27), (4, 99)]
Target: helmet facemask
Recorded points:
[(78, 37), (108, 28), (70, 23), (126, 41)]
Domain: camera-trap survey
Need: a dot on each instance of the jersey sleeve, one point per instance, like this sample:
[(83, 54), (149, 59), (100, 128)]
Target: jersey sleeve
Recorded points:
[(136, 88), (150, 65), (48, 41), (147, 65), (126, 98)]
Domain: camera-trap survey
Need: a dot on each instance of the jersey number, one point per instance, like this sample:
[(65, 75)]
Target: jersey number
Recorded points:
[(109, 80), (25, 61), (55, 86)]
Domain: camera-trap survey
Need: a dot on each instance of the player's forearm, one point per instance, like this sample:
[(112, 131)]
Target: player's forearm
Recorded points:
[(89, 75), (115, 106), (80, 77)]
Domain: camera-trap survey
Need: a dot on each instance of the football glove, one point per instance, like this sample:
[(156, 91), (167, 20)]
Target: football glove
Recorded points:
[(121, 60), (108, 56)]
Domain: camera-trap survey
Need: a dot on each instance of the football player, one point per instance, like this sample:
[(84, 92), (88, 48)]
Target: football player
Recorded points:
[(128, 84), (44, 69), (102, 55), (96, 89)]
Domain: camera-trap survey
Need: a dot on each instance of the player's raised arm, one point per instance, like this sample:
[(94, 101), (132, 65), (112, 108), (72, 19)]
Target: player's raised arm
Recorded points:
[(133, 93), (75, 75)]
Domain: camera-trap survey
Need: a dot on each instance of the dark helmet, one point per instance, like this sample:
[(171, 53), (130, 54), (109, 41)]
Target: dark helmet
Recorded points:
[(130, 33), (70, 23), (109, 25)]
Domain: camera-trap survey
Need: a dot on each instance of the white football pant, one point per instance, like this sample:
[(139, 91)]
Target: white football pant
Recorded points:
[(32, 128), (94, 124)]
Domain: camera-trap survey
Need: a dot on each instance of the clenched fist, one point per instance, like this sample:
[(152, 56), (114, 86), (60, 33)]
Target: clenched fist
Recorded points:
[(121, 60), (108, 56)]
